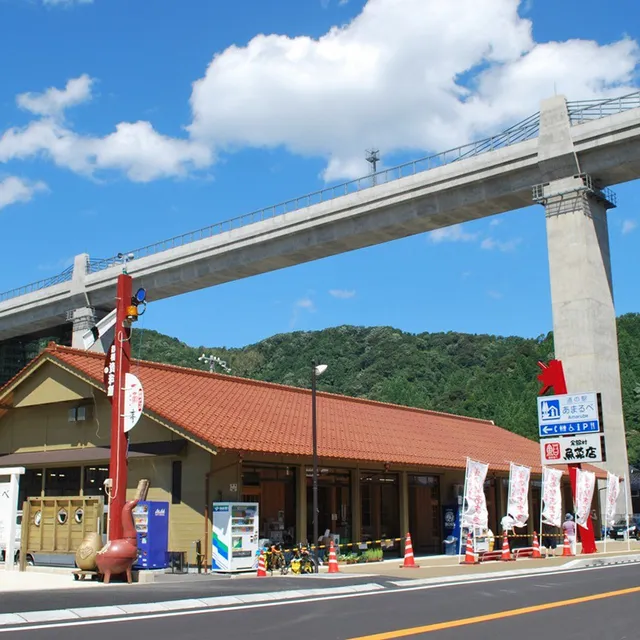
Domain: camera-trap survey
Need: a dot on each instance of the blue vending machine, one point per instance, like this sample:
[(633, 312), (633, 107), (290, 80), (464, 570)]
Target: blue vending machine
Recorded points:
[(151, 520)]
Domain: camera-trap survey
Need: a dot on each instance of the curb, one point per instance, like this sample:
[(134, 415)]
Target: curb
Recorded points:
[(60, 615), (470, 577)]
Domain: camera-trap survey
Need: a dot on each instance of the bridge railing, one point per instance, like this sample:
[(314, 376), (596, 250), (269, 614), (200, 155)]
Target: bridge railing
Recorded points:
[(581, 111), (524, 130), (65, 276)]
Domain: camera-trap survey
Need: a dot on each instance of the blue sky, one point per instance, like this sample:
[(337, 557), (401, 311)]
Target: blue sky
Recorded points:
[(169, 116)]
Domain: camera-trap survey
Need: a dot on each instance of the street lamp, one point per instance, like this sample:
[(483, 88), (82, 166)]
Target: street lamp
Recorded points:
[(212, 360), (316, 370)]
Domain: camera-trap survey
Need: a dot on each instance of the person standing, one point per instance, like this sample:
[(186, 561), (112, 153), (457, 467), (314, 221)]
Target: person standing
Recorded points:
[(569, 527)]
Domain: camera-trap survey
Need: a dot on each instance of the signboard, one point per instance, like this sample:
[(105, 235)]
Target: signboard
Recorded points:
[(572, 449), (572, 413), (133, 401), (110, 370)]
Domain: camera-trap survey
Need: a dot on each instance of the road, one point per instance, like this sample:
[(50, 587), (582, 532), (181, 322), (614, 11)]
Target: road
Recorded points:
[(580, 605)]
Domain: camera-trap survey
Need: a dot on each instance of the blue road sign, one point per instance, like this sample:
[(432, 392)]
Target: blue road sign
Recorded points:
[(568, 414), (568, 428)]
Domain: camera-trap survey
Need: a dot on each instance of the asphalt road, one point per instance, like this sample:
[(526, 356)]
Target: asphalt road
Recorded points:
[(180, 589), (614, 616)]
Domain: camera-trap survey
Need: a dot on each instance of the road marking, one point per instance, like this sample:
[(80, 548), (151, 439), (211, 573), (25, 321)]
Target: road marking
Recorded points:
[(311, 595), (451, 624)]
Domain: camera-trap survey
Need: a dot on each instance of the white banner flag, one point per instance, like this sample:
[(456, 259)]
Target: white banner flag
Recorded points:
[(613, 491), (518, 501), (552, 496), (475, 512), (585, 485)]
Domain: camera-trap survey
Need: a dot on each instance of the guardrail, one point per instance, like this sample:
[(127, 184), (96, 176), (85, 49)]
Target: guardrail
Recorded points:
[(581, 111)]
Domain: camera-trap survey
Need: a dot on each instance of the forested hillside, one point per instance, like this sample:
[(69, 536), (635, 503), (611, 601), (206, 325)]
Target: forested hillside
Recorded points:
[(486, 376)]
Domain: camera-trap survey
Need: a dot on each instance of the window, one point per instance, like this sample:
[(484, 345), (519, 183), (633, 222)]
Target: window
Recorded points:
[(62, 482), (30, 486), (176, 482), (94, 478)]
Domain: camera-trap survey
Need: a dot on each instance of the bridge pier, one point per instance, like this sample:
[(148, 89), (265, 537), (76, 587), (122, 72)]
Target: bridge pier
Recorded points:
[(584, 318)]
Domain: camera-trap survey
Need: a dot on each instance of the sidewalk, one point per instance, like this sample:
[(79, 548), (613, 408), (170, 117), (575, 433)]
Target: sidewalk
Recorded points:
[(449, 566), (52, 578)]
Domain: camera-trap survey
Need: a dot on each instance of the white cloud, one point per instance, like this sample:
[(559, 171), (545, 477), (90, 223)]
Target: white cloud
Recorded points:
[(13, 189), (496, 295), (344, 294), (490, 243), (135, 148), (454, 233), (53, 101), (495, 222), (66, 2), (302, 304), (422, 74), (628, 226)]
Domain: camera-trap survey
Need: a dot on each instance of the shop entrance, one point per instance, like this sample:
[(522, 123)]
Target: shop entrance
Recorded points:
[(380, 498), (274, 489), (424, 514), (334, 503)]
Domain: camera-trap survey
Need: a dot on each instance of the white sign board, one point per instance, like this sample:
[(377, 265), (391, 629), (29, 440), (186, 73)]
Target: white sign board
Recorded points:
[(9, 512), (571, 449), (133, 401), (571, 413)]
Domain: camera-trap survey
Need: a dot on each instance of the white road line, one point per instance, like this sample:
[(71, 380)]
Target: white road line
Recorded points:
[(355, 591), (106, 612)]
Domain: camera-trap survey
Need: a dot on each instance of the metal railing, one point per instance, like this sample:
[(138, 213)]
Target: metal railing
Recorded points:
[(579, 111), (65, 276), (524, 130), (585, 110)]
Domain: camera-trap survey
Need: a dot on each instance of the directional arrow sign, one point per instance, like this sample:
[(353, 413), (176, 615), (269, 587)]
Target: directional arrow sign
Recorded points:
[(568, 414)]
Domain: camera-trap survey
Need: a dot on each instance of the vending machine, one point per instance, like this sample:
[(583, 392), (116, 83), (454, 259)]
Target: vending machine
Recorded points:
[(235, 536), (151, 520)]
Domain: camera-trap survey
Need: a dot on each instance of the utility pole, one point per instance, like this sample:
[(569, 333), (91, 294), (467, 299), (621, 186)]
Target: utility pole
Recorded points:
[(373, 157)]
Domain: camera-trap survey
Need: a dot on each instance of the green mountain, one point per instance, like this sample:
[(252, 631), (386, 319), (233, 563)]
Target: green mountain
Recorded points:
[(486, 376)]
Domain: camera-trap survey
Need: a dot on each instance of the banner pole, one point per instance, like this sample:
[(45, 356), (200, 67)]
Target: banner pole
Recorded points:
[(464, 498), (626, 511), (541, 509)]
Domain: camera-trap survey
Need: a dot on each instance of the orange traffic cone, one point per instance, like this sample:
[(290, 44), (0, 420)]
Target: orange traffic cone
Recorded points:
[(333, 560), (506, 552), (262, 570), (536, 547), (409, 561), (470, 555), (566, 547)]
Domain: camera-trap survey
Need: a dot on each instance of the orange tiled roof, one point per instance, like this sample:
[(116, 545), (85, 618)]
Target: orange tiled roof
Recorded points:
[(246, 415)]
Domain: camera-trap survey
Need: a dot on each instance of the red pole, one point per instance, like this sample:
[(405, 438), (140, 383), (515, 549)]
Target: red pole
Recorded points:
[(552, 377), (118, 461)]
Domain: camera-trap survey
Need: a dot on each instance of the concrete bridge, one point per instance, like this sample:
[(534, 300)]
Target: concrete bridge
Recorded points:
[(564, 157)]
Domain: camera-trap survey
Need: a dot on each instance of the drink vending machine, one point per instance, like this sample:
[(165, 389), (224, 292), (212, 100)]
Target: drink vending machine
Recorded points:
[(235, 536), (151, 520)]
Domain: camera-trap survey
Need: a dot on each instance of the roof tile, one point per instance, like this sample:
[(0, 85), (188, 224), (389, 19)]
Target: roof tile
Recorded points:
[(240, 414)]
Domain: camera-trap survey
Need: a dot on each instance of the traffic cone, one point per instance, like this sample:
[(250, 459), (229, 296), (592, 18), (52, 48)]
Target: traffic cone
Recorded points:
[(566, 547), (409, 561), (536, 547), (470, 556), (506, 552), (262, 570), (333, 559)]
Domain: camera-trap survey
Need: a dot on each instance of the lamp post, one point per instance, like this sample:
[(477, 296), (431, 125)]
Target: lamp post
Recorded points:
[(316, 370)]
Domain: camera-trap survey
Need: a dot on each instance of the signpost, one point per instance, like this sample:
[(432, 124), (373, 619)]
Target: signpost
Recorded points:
[(568, 414), (552, 377), (572, 449), (570, 428)]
